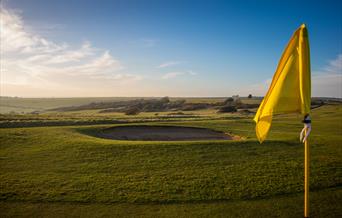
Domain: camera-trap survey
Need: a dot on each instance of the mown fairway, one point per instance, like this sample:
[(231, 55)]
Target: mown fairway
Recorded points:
[(65, 171)]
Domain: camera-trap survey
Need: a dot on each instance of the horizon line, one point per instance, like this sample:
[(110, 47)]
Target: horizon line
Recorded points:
[(244, 96)]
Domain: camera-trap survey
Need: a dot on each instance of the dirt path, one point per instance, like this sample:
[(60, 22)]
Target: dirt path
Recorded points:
[(162, 133)]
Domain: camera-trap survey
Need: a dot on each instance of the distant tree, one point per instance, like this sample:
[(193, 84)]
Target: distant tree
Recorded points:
[(228, 101), (250, 96), (165, 100), (237, 102), (227, 109), (132, 111)]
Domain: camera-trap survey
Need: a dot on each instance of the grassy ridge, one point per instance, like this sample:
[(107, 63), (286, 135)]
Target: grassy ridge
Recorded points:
[(62, 164), (27, 105), (282, 207), (19, 105)]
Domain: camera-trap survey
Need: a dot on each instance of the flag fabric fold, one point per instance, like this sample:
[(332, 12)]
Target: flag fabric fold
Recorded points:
[(290, 90)]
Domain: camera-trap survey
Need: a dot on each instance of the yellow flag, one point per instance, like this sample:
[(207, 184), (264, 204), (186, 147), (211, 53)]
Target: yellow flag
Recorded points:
[(290, 90)]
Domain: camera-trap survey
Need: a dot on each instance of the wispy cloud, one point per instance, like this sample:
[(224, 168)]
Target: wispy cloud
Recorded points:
[(325, 83), (169, 64), (30, 59), (149, 42), (328, 81), (334, 66), (172, 75), (192, 73)]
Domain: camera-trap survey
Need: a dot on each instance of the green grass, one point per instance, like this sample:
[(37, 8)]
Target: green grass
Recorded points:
[(62, 169), (27, 105), (93, 117), (283, 207), (19, 105)]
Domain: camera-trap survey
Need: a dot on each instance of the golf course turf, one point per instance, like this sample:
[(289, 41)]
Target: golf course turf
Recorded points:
[(65, 171)]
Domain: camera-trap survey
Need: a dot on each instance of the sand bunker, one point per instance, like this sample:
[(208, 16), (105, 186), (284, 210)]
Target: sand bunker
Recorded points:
[(162, 133)]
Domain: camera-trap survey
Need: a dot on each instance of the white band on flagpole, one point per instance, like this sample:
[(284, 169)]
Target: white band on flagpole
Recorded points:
[(304, 134)]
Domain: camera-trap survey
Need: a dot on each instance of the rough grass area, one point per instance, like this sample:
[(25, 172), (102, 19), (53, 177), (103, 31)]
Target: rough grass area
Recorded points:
[(282, 207), (57, 169)]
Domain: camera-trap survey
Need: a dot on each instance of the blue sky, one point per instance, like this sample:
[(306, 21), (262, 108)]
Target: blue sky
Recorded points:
[(158, 48)]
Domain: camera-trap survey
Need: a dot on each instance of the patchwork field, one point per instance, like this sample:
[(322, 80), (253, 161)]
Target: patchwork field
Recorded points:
[(63, 170)]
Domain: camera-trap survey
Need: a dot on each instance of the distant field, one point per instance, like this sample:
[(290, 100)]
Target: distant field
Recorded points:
[(27, 105), (64, 171), (8, 104)]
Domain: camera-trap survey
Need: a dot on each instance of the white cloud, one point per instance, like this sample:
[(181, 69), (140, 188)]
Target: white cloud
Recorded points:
[(172, 75), (328, 82), (15, 38), (325, 83), (192, 73), (168, 64), (37, 62), (334, 66), (149, 42)]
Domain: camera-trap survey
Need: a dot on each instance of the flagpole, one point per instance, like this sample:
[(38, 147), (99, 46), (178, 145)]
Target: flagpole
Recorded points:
[(306, 177)]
